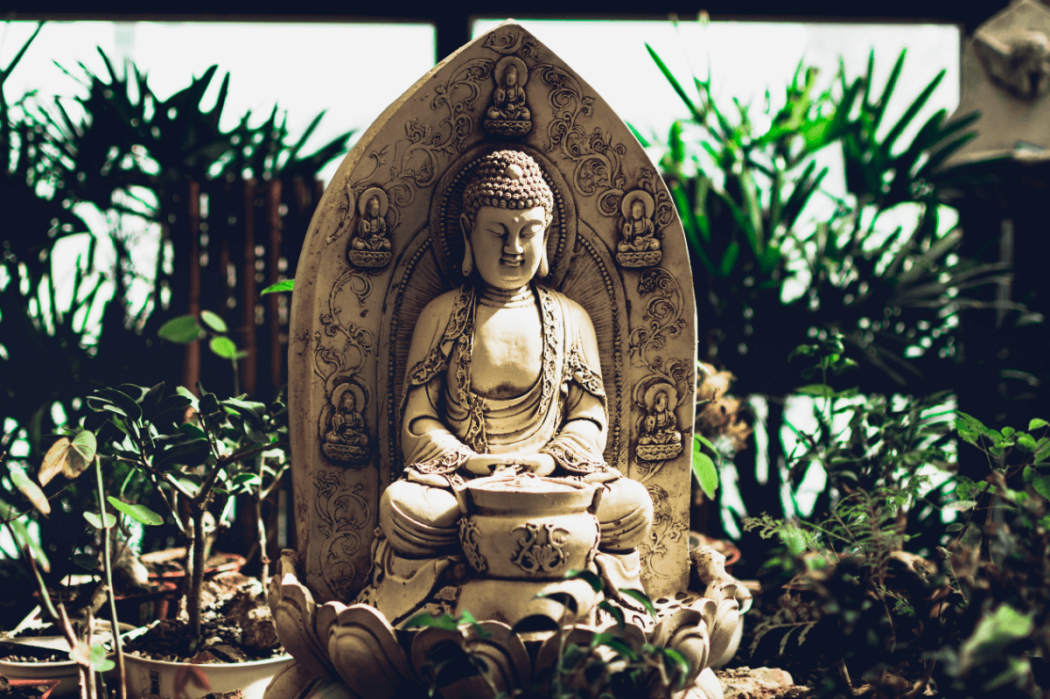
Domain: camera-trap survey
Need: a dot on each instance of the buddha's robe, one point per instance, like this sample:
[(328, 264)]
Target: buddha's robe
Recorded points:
[(563, 414)]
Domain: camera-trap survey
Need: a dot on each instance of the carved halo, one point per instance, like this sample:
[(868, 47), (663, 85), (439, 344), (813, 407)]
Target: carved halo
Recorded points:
[(506, 62), (360, 395), (447, 204), (366, 196), (650, 395), (631, 197)]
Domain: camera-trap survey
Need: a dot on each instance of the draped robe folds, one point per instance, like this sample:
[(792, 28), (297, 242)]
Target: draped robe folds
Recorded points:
[(556, 416)]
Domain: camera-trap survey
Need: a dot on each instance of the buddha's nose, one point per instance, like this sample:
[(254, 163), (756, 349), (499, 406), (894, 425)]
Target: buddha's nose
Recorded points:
[(513, 245)]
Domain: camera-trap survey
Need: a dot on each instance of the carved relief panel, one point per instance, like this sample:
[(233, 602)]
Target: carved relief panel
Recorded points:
[(386, 241)]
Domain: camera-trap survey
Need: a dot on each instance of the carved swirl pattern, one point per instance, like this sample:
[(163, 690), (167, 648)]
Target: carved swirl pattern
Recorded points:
[(661, 321), (343, 513), (598, 161), (513, 40), (540, 548), (468, 537), (667, 529), (341, 362)]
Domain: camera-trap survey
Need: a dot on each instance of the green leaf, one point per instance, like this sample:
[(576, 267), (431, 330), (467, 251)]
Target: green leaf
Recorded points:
[(214, 322), (95, 521), (188, 394), (1042, 486), (706, 473), (192, 453), (993, 634), (31, 490), (98, 660), (224, 347), (1030, 474), (424, 619), (182, 330), (641, 598), (32, 543), (1026, 442), (139, 513), (67, 457), (816, 389), (590, 577), (88, 563), (961, 505), (283, 285), (1036, 424)]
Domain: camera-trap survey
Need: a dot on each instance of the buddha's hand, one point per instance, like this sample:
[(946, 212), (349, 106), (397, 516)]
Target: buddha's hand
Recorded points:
[(497, 465)]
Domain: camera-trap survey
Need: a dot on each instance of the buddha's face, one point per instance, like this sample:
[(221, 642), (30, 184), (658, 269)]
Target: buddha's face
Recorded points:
[(661, 402), (510, 77), (347, 402), (637, 210), (373, 207), (507, 244)]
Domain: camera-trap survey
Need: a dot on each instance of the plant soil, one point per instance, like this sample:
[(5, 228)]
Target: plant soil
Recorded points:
[(236, 625)]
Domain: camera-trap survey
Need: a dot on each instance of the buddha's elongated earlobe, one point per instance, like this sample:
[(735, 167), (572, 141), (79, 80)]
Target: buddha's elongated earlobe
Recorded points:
[(545, 267), (468, 258), (465, 225)]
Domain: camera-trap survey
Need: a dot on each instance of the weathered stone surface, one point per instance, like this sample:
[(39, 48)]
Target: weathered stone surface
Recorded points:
[(1006, 77), (761, 683)]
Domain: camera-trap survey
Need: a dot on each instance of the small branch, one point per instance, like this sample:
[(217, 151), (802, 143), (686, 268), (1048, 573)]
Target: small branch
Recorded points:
[(107, 567)]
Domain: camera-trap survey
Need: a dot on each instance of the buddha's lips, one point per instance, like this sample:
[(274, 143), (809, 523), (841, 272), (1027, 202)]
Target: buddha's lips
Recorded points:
[(512, 261)]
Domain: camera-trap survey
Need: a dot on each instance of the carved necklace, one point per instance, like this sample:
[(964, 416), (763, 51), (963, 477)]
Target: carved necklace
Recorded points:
[(507, 298)]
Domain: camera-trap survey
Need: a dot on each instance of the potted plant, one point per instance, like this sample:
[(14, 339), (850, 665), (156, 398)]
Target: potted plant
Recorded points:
[(197, 453), (54, 647)]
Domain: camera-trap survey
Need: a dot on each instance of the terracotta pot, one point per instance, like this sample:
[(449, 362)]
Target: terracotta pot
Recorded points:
[(529, 528), (159, 678), (726, 548), (217, 563), (63, 673)]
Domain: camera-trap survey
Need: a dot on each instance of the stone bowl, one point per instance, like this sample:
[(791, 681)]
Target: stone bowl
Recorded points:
[(529, 528)]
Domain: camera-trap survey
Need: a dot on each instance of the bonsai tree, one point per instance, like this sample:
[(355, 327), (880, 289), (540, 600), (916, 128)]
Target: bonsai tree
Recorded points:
[(196, 453)]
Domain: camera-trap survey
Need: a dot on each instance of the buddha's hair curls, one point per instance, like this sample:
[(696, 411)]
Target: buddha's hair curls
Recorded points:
[(507, 179)]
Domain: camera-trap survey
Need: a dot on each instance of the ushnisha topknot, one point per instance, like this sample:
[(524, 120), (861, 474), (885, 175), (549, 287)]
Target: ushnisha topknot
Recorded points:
[(507, 179)]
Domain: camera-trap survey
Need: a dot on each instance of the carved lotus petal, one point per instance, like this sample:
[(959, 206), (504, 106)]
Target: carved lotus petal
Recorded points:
[(723, 629), (365, 651), (686, 631), (294, 614), (500, 650)]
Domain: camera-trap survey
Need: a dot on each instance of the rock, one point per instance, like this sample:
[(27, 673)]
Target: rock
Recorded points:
[(259, 632), (761, 683)]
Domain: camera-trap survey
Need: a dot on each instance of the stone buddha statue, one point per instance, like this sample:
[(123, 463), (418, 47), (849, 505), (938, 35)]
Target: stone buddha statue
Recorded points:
[(497, 396), (504, 379)]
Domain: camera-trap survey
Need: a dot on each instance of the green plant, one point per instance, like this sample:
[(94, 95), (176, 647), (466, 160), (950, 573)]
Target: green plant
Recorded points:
[(70, 458), (126, 153), (196, 453)]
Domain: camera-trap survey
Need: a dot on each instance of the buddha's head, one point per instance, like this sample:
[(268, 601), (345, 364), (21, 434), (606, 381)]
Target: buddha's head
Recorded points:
[(661, 401), (348, 402), (637, 210), (373, 207), (507, 210), (510, 76)]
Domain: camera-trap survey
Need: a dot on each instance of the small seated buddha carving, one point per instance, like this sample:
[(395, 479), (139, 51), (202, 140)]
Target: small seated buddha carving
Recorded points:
[(370, 246), (346, 438), (509, 113), (660, 438), (503, 381), (639, 246)]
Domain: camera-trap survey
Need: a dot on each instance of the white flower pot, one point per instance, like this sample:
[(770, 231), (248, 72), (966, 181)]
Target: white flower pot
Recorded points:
[(64, 671), (149, 679)]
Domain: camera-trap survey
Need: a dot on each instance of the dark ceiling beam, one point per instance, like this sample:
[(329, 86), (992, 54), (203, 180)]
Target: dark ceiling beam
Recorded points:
[(452, 20)]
